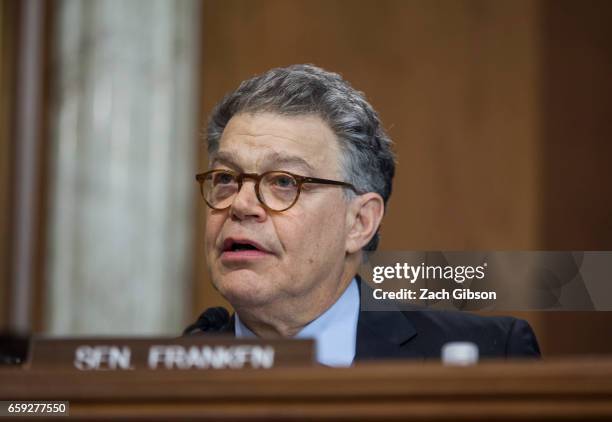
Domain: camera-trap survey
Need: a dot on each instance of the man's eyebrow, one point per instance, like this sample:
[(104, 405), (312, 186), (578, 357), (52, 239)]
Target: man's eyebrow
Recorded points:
[(224, 158), (271, 159), (279, 158)]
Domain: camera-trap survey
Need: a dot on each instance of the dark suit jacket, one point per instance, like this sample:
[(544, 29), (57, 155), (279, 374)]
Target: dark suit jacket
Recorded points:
[(421, 333)]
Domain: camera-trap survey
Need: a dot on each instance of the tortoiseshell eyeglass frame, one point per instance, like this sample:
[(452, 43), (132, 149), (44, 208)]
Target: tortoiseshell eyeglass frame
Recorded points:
[(300, 181)]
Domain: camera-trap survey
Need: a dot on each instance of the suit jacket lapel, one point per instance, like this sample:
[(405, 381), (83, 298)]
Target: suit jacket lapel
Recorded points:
[(384, 334)]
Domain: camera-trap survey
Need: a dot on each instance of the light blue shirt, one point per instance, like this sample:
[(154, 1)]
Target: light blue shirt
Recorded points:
[(334, 331)]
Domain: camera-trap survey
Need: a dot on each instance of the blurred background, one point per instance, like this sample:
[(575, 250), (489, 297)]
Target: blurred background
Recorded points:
[(501, 113)]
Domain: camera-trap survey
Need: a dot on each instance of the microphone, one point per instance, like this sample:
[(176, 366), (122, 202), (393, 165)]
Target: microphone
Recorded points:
[(212, 320)]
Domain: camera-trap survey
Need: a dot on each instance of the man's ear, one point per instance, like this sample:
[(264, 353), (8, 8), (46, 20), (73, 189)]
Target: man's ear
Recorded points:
[(365, 214)]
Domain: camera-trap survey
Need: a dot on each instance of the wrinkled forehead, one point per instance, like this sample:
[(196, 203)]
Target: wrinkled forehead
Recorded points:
[(266, 141)]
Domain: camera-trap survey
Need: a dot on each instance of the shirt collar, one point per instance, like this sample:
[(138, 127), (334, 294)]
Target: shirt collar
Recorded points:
[(334, 331)]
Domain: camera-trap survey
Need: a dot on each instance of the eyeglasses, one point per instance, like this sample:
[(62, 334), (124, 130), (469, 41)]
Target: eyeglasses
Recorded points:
[(275, 190)]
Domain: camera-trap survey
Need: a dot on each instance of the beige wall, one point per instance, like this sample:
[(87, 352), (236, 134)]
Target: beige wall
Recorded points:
[(474, 94)]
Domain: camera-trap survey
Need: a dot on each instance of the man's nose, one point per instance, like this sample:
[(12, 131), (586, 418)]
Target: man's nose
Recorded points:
[(245, 204)]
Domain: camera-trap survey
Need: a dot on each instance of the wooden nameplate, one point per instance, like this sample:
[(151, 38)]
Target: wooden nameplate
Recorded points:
[(185, 353)]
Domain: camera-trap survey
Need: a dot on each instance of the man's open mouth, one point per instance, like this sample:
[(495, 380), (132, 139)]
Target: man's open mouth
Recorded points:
[(240, 248)]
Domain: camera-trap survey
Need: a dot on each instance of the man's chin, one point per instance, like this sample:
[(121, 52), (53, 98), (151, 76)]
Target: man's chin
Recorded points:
[(243, 291)]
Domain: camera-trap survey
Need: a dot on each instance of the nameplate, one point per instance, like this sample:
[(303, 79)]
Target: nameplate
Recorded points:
[(162, 354)]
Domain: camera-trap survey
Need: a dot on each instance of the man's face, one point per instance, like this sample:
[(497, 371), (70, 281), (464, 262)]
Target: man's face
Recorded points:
[(304, 245)]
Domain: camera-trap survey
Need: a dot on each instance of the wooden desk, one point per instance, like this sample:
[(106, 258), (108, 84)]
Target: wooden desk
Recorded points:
[(554, 390)]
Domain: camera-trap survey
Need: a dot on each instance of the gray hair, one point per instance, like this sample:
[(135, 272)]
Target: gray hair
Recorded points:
[(368, 162)]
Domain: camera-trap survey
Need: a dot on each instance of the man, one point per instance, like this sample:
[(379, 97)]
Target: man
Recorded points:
[(300, 173)]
